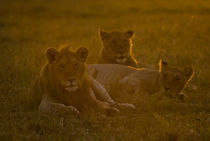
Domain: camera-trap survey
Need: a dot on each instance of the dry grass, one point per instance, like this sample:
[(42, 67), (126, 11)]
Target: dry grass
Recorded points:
[(177, 31)]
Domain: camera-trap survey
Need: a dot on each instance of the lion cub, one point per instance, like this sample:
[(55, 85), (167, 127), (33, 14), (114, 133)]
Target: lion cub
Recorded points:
[(131, 82), (117, 48), (66, 87)]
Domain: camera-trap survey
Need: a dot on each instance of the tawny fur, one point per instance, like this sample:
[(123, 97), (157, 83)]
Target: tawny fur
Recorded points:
[(59, 94), (130, 83), (117, 48)]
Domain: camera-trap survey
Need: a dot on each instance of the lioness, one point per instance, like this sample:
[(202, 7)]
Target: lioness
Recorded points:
[(117, 48), (66, 87), (131, 82)]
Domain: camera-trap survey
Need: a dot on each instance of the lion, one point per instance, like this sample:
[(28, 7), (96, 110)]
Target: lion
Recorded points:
[(131, 82), (65, 87), (117, 48)]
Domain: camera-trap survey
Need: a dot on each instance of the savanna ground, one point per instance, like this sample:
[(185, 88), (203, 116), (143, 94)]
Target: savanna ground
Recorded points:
[(177, 31)]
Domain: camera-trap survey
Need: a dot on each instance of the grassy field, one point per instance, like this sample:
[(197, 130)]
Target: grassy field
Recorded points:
[(177, 31)]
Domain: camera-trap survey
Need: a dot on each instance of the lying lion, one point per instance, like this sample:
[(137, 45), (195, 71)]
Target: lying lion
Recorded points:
[(130, 83), (64, 86)]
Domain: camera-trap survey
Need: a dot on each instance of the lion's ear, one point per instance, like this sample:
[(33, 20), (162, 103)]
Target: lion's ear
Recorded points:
[(188, 71), (129, 34), (104, 35), (82, 53), (51, 54), (163, 65)]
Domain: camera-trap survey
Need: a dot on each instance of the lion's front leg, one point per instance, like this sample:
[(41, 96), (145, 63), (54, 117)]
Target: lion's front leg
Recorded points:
[(101, 106), (100, 92), (61, 109), (48, 106), (103, 95)]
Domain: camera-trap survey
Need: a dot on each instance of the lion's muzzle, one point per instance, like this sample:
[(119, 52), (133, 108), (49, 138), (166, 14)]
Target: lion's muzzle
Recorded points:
[(71, 84), (121, 58)]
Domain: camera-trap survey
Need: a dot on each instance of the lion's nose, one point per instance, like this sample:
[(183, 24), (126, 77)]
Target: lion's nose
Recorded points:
[(123, 54), (118, 55), (71, 80)]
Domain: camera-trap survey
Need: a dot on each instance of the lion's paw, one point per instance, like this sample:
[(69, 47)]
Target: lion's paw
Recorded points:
[(72, 109), (111, 111), (125, 107)]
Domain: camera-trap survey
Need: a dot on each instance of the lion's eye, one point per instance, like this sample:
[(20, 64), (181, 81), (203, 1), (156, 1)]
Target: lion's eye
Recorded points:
[(61, 66), (165, 75), (177, 78), (76, 65), (113, 41)]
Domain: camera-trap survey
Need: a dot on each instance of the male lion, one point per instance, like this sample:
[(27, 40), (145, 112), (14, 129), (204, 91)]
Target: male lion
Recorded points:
[(117, 48), (66, 87), (131, 82)]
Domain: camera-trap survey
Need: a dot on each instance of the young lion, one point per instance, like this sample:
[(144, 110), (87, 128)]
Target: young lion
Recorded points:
[(131, 82), (66, 87), (117, 48)]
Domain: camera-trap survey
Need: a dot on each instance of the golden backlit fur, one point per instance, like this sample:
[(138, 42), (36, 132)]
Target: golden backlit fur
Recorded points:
[(131, 83), (64, 85), (117, 48)]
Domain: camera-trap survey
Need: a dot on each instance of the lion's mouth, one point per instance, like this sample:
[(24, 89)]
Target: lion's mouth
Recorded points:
[(71, 88), (121, 60), (169, 92), (167, 89)]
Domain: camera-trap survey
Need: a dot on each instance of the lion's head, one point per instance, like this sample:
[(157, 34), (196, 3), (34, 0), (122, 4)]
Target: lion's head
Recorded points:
[(174, 79), (117, 45), (66, 68)]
